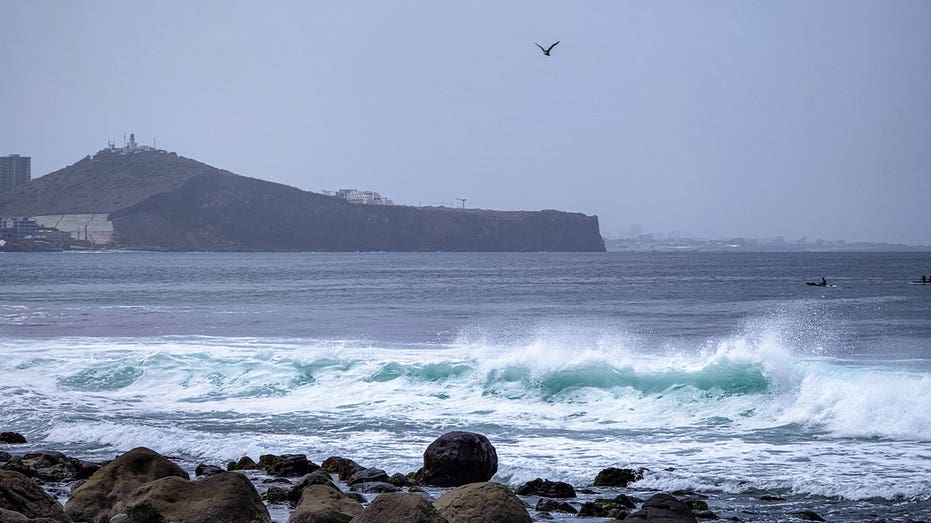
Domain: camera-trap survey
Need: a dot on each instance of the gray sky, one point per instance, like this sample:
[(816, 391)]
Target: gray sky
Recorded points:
[(717, 118)]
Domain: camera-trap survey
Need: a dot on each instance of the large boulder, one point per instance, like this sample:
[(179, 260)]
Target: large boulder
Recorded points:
[(374, 487), (226, 497), (317, 477), (244, 463), (458, 458), (14, 438), (94, 500), (546, 489), (342, 467), (615, 477), (368, 475), (482, 503), (400, 507), (51, 466), (662, 508), (21, 495), (324, 504), (287, 464), (10, 516)]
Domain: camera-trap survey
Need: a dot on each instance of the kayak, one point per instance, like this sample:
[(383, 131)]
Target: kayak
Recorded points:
[(919, 282), (813, 284)]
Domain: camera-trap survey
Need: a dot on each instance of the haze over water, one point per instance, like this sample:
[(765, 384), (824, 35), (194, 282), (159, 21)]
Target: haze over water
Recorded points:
[(717, 372)]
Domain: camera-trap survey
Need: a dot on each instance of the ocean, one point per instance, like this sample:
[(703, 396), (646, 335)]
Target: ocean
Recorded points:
[(721, 373)]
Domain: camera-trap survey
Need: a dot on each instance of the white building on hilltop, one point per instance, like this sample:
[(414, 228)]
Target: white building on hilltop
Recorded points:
[(357, 196), (130, 147)]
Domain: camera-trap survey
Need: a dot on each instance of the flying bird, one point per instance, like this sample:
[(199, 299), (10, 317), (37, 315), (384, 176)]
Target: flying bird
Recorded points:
[(547, 50)]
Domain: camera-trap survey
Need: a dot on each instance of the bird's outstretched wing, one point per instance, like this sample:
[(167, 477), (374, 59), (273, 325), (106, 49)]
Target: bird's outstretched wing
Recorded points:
[(551, 47), (541, 47)]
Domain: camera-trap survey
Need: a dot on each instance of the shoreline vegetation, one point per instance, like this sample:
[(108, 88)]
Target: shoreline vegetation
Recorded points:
[(453, 486)]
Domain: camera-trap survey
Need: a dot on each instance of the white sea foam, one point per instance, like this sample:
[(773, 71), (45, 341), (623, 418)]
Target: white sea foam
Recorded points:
[(732, 414)]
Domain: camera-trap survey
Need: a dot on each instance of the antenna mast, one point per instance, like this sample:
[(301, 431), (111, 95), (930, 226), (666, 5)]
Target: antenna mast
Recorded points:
[(463, 200)]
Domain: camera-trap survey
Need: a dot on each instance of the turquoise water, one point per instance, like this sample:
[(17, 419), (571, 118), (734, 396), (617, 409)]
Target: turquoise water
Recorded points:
[(717, 372)]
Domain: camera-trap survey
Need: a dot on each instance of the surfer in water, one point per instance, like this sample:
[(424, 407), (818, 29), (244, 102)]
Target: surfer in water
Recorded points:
[(822, 283)]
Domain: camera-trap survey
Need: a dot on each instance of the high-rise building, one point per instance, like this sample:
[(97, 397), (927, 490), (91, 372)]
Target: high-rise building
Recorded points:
[(14, 170)]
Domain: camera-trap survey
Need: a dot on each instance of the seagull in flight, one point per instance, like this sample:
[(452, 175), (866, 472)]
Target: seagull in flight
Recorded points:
[(547, 50)]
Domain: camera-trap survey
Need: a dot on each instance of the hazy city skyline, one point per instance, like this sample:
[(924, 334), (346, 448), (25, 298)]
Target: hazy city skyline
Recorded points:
[(723, 119)]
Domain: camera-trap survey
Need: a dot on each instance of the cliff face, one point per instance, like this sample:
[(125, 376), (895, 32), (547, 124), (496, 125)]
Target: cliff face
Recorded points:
[(161, 201), (216, 212)]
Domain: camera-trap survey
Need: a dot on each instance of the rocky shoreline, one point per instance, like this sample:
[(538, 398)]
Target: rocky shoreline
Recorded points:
[(453, 486)]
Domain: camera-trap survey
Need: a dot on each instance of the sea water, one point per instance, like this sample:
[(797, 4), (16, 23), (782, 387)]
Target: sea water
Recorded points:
[(717, 372)]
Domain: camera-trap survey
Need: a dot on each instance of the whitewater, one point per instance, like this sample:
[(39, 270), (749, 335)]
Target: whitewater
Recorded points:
[(687, 365)]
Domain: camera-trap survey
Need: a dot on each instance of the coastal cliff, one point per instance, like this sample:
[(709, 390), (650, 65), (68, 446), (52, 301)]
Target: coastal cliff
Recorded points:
[(160, 201)]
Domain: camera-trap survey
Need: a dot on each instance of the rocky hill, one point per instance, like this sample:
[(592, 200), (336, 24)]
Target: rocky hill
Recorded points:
[(157, 200)]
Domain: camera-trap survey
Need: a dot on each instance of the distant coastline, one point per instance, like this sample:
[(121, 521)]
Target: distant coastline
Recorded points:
[(142, 198), (650, 244)]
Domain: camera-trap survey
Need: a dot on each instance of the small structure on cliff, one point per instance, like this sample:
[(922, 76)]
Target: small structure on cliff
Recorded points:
[(357, 196)]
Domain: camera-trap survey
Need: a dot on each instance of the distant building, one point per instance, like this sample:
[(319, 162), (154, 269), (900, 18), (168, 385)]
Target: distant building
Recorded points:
[(129, 147), (363, 197), (17, 227), (14, 170)]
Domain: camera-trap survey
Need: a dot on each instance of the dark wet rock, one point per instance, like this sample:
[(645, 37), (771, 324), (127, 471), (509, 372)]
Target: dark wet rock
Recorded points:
[(324, 504), (5, 456), (400, 507), (317, 477), (546, 488), (688, 493), (482, 503), (695, 504), (276, 495), (344, 468), (286, 465), (771, 498), (51, 466), (244, 463), (207, 470), (358, 496), (95, 500), (618, 513), (20, 494), (620, 501), (807, 515), (552, 505), (401, 480), (704, 514), (544, 515), (277, 481), (592, 510), (458, 458), (10, 516), (374, 487), (662, 508), (368, 475), (226, 497), (14, 438), (615, 477)]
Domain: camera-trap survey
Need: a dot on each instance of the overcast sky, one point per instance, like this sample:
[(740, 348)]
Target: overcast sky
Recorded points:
[(716, 118)]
